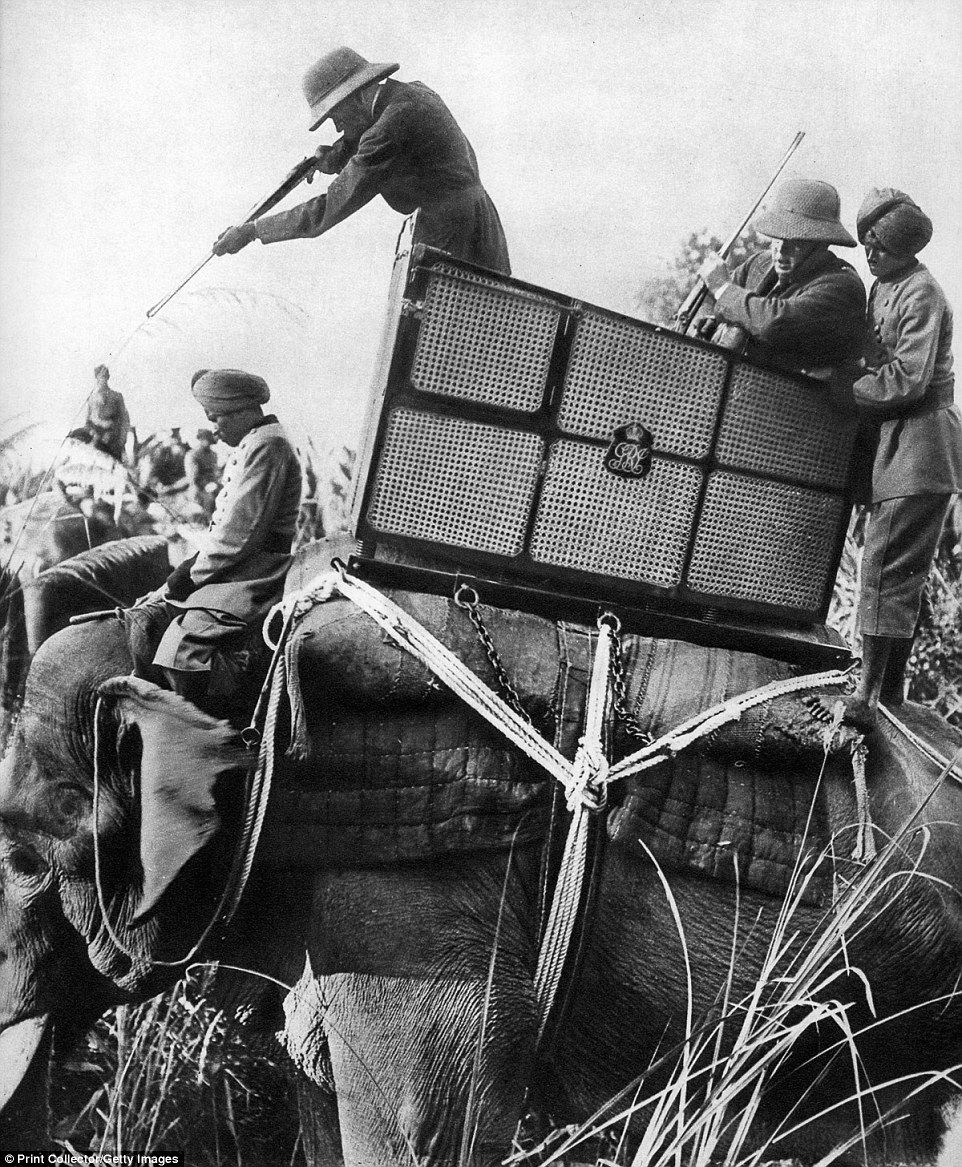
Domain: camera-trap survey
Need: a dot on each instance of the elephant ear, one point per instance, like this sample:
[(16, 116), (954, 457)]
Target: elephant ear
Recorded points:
[(182, 754)]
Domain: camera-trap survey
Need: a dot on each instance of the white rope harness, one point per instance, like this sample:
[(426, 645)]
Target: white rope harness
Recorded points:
[(584, 780)]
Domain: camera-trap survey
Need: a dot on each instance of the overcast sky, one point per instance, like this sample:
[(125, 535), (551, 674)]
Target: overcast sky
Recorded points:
[(133, 131)]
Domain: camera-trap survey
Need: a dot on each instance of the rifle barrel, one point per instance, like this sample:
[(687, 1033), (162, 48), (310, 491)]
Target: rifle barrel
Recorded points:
[(303, 170), (693, 301)]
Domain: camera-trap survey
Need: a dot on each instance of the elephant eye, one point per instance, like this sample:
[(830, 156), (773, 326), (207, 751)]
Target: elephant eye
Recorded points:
[(72, 802), (26, 863)]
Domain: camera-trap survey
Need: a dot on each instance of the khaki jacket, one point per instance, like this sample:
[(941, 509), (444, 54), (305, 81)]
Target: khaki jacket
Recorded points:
[(907, 391), (246, 555)]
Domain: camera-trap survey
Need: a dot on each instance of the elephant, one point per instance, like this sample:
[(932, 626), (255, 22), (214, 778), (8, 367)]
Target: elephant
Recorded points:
[(50, 528), (31, 610), (408, 848)]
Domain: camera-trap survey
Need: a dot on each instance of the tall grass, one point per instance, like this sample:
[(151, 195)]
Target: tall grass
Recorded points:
[(708, 1113), (178, 1075)]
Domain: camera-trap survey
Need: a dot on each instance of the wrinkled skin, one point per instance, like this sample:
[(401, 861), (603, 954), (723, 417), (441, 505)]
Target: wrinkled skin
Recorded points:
[(403, 955), (32, 610)]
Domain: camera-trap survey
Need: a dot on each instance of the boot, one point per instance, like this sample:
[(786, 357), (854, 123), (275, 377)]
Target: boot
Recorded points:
[(192, 686), (861, 706), (893, 684)]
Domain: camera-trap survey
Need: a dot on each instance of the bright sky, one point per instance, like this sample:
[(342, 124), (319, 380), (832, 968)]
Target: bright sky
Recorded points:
[(133, 131)]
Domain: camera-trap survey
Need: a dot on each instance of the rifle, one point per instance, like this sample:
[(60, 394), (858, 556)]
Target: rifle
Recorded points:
[(303, 171), (693, 301)]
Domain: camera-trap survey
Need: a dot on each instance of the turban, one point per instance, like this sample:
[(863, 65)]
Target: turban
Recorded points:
[(228, 390), (897, 222)]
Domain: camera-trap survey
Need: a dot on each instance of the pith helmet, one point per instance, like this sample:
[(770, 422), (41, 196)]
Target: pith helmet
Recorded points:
[(805, 208), (337, 75)]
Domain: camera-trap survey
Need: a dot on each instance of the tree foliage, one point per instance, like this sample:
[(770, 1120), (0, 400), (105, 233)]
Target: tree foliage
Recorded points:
[(662, 294)]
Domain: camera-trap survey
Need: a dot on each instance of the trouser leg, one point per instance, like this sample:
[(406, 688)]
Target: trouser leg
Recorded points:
[(893, 684), (901, 537)]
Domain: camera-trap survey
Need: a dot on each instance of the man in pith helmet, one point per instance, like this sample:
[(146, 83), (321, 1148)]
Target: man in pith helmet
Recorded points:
[(239, 572), (398, 140), (801, 306), (907, 391)]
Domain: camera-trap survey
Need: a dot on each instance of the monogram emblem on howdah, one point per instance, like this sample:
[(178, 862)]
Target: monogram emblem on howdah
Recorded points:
[(629, 452)]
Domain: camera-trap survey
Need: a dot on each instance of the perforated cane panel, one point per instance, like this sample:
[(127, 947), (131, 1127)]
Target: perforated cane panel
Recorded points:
[(765, 541), (634, 529), (484, 343), (773, 425), (456, 482), (621, 372)]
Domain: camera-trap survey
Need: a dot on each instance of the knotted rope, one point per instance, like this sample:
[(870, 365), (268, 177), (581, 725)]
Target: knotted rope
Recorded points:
[(587, 795), (585, 780)]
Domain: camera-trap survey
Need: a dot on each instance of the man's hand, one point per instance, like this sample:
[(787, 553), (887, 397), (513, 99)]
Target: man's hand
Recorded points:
[(714, 272), (705, 327), (327, 158), (232, 240)]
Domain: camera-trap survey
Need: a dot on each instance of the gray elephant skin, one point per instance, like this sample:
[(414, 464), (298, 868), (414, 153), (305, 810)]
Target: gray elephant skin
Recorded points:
[(403, 949)]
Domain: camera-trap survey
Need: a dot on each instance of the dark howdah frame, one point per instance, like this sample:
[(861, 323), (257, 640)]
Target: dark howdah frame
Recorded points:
[(562, 457)]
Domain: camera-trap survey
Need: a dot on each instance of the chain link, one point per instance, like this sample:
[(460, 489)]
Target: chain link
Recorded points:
[(466, 598), (619, 681)]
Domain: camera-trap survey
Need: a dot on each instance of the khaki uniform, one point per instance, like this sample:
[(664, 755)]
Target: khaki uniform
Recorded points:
[(916, 433), (239, 573)]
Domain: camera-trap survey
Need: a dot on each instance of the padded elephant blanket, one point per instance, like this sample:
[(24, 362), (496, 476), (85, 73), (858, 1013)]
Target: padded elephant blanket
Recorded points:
[(385, 765)]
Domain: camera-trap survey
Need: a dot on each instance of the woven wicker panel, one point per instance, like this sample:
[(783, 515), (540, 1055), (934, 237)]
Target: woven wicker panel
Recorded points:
[(633, 529), (765, 541), (773, 425), (621, 372), (456, 482), (485, 343)]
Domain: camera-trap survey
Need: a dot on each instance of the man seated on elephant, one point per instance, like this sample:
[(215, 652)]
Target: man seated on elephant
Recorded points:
[(906, 392), (798, 305), (239, 572)]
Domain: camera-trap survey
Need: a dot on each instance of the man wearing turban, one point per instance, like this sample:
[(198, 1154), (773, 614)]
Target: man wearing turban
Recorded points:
[(400, 141), (906, 392), (239, 572)]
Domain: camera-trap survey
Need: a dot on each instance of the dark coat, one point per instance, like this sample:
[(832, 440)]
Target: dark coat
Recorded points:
[(817, 321), (907, 389), (415, 156)]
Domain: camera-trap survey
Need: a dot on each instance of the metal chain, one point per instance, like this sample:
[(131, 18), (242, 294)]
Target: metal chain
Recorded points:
[(619, 681), (467, 599)]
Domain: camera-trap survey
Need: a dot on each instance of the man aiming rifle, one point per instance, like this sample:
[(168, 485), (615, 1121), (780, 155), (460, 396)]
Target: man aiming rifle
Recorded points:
[(400, 141)]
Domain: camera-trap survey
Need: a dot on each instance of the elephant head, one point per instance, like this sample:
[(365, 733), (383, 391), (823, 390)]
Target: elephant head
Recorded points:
[(32, 610), (92, 840)]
